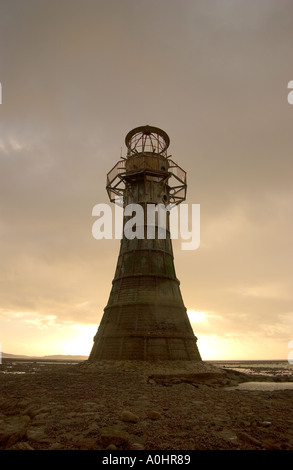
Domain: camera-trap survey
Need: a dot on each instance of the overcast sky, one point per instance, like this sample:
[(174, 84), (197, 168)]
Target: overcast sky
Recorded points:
[(76, 77)]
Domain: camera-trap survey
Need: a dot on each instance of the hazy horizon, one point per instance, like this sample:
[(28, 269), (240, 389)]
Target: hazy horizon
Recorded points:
[(76, 78), (86, 357)]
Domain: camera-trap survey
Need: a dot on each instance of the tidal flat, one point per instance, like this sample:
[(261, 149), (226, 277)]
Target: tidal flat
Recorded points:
[(127, 405)]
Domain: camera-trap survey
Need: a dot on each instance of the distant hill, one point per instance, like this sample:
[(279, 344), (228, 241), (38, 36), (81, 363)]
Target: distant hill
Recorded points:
[(55, 357), (13, 356)]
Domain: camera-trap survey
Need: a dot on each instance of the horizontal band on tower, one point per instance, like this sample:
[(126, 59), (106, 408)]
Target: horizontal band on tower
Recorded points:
[(144, 304), (140, 275)]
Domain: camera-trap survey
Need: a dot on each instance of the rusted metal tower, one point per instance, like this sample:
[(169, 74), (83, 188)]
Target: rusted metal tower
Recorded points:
[(145, 318)]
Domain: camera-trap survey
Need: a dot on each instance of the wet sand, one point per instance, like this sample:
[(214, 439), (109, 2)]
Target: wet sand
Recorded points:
[(136, 406)]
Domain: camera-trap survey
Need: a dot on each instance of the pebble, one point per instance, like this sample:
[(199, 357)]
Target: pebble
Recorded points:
[(137, 446), (128, 416), (56, 446), (111, 447), (86, 443), (22, 446), (244, 436), (13, 429), (227, 434), (269, 444), (112, 436), (41, 418), (154, 415), (33, 410), (37, 434)]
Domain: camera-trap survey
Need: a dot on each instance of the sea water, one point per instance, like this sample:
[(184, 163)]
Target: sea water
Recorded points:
[(268, 367), (265, 368)]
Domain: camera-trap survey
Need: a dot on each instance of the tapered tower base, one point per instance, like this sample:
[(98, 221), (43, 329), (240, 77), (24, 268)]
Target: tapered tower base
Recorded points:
[(145, 318), (172, 340)]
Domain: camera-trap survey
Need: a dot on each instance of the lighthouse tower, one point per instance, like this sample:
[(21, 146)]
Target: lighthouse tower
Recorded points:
[(145, 318)]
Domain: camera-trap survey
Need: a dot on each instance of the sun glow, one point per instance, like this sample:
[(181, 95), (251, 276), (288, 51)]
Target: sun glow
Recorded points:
[(79, 340), (196, 317), (212, 346), (38, 335)]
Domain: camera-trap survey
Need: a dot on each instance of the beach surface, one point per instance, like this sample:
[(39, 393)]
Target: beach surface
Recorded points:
[(137, 406)]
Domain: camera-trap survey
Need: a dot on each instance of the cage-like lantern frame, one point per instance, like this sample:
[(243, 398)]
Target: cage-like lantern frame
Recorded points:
[(153, 143)]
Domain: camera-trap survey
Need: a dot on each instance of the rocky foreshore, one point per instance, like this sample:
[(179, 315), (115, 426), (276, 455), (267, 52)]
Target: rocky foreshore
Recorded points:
[(137, 406)]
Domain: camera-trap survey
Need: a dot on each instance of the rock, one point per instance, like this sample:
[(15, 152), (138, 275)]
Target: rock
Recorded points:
[(24, 402), (154, 415), (269, 444), (245, 423), (56, 446), (233, 383), (137, 446), (86, 443), (32, 410), (244, 436), (227, 434), (41, 418), (113, 436), (111, 447), (22, 446), (3, 400), (92, 427), (37, 434), (143, 397), (13, 429), (90, 404), (128, 416)]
